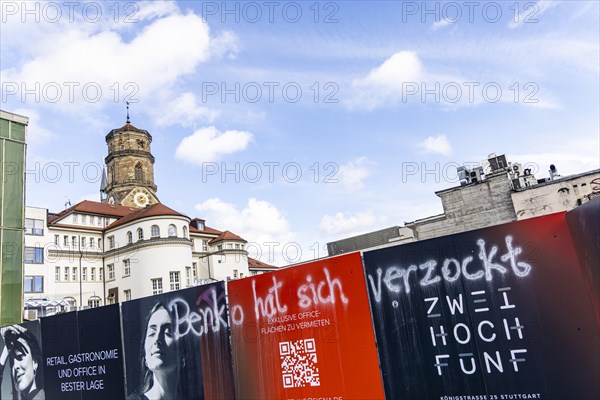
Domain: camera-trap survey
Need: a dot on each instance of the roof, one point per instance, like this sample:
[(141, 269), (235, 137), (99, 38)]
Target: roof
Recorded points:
[(93, 207), (253, 263), (207, 229), (154, 210), (226, 236), (127, 128)]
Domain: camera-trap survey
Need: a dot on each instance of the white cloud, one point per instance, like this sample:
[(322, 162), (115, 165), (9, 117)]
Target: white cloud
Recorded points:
[(386, 81), (352, 174), (259, 222), (210, 144), (440, 24), (185, 111), (436, 145), (144, 66), (347, 224)]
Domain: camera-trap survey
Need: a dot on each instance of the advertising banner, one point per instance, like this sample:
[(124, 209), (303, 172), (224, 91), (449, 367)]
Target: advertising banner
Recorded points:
[(83, 356), (21, 362), (60, 340), (584, 223), (177, 345), (497, 313), (305, 332)]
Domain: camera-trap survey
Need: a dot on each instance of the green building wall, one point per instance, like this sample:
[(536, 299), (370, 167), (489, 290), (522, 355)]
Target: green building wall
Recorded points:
[(13, 129)]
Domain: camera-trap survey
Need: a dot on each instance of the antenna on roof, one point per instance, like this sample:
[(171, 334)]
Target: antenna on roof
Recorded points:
[(128, 121)]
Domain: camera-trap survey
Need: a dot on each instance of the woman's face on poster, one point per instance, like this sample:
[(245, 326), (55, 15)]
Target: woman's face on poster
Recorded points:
[(159, 344), (23, 366)]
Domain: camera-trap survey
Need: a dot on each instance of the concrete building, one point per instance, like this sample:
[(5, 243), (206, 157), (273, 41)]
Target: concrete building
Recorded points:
[(13, 133), (130, 245), (495, 193)]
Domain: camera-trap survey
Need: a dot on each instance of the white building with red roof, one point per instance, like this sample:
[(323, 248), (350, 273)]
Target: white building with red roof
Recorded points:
[(127, 246)]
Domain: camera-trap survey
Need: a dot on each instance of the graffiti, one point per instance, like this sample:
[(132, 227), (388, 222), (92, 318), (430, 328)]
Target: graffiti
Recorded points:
[(209, 318), (309, 294), (396, 278)]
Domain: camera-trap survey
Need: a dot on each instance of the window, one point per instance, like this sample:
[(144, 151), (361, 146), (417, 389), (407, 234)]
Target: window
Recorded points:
[(83, 242), (92, 242), (185, 232), (139, 173), (187, 276), (129, 237), (74, 240), (126, 267), (229, 246), (34, 255), (34, 226), (75, 218), (33, 284), (111, 271), (92, 220), (237, 245), (127, 294), (205, 245), (99, 221), (92, 274), (100, 274), (83, 219), (235, 274), (172, 230), (220, 247), (66, 274), (157, 286), (111, 242), (94, 302), (140, 234), (100, 243), (154, 231), (194, 270), (84, 274), (174, 280), (66, 240), (56, 239), (74, 274), (57, 274)]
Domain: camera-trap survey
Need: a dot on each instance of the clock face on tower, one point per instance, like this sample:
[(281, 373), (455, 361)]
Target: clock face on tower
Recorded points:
[(140, 199)]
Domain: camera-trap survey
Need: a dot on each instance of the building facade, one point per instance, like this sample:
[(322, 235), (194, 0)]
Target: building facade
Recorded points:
[(130, 245), (497, 193), (13, 133)]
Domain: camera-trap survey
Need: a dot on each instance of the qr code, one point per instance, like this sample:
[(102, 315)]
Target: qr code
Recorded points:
[(299, 363)]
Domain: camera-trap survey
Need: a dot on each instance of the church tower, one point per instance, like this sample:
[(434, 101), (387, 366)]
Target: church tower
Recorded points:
[(130, 167)]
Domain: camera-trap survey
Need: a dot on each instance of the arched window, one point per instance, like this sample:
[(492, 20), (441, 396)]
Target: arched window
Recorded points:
[(154, 231), (140, 234), (172, 230), (139, 173), (94, 301), (185, 232), (129, 237)]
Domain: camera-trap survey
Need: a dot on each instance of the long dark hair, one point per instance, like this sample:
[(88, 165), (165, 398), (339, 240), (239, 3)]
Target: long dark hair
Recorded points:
[(12, 343), (147, 377)]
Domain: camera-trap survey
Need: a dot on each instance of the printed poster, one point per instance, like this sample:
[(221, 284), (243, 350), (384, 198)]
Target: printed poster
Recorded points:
[(21, 361), (83, 357), (497, 313), (177, 345), (305, 332)]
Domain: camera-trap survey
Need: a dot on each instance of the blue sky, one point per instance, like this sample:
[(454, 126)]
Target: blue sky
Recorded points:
[(299, 123)]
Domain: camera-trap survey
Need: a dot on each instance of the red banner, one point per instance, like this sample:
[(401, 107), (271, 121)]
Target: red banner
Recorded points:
[(305, 332)]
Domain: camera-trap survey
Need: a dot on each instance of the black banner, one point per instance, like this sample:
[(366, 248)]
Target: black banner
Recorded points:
[(21, 362), (165, 337), (498, 313)]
